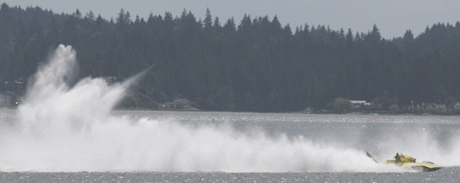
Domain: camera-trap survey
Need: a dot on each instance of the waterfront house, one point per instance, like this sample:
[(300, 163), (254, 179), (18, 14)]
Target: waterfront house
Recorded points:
[(178, 103)]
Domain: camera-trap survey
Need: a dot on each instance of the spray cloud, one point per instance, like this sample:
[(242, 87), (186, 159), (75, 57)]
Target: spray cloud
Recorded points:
[(71, 128)]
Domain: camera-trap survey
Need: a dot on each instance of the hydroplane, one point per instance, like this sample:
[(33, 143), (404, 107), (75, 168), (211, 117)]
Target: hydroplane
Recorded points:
[(407, 161)]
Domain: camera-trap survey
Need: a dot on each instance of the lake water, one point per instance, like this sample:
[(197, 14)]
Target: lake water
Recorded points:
[(158, 146)]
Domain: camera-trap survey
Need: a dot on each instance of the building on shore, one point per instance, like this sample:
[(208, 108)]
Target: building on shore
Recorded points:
[(177, 104)]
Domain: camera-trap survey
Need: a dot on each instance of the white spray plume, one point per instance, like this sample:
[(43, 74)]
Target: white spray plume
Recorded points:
[(69, 128)]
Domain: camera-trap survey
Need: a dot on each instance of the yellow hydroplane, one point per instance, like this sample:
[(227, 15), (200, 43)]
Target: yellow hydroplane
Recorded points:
[(407, 161)]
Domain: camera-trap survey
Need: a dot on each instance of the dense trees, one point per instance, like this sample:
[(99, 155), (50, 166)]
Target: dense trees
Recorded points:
[(252, 65)]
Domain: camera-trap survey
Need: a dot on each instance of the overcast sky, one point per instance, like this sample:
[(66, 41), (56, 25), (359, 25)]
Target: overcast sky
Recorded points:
[(392, 17)]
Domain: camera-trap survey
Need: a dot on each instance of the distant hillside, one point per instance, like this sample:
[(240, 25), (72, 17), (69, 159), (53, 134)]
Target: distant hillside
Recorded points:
[(253, 64)]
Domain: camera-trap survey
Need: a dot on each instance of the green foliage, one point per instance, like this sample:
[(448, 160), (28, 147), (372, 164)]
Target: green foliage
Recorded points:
[(384, 101), (255, 64), (341, 105), (450, 101)]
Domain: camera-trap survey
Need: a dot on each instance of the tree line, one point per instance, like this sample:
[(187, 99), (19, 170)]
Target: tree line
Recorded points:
[(255, 64)]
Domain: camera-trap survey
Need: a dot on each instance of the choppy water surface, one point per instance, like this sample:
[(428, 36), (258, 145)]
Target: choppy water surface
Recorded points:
[(446, 175)]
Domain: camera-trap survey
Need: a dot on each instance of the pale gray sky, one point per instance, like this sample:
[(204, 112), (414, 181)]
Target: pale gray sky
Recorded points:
[(392, 17)]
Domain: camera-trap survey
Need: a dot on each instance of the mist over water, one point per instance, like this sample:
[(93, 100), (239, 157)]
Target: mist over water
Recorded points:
[(66, 125)]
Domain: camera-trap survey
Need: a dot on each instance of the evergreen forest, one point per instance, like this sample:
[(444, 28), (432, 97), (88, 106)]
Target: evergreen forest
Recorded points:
[(254, 64)]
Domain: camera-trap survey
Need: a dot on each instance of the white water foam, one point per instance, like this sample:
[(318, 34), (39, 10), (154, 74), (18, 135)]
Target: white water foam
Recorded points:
[(64, 128)]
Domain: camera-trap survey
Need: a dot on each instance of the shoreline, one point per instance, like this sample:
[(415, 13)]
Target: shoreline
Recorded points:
[(193, 109)]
